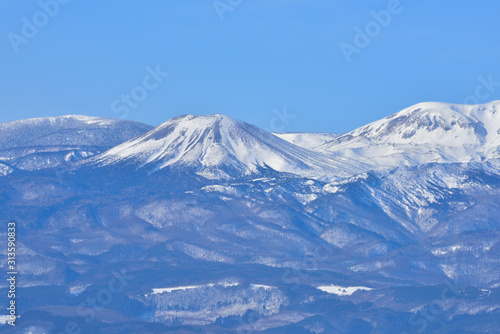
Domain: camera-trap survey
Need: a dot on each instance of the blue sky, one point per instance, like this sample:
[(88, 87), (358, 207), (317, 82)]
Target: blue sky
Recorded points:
[(250, 59)]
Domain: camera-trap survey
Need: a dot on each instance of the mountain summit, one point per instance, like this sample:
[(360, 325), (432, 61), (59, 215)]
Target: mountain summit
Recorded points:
[(38, 143), (68, 130), (259, 234), (218, 146), (424, 133)]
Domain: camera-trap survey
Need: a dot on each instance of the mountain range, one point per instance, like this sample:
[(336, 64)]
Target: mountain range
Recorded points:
[(214, 225)]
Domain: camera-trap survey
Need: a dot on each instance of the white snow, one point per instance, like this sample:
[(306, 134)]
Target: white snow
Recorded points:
[(218, 146), (342, 290), (449, 270), (329, 188), (40, 143), (190, 287), (180, 288), (424, 133), (209, 285), (4, 319), (221, 189), (305, 198), (307, 140), (4, 169), (78, 289), (261, 286)]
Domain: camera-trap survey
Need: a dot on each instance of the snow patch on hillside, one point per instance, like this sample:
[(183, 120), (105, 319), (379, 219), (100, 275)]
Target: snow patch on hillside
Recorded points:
[(342, 290)]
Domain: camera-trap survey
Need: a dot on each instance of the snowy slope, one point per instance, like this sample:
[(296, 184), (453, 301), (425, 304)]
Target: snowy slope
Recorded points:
[(218, 146), (68, 130), (274, 253), (5, 169), (38, 143), (424, 133), (307, 140)]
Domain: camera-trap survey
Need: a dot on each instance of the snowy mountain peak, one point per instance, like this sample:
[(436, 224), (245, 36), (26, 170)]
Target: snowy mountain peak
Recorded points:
[(218, 146), (436, 123), (54, 131), (308, 140), (39, 143), (426, 132), (211, 123)]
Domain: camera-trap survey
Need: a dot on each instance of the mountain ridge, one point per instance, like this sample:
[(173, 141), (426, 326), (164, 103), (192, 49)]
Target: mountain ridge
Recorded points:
[(221, 146), (424, 133), (259, 250), (46, 142)]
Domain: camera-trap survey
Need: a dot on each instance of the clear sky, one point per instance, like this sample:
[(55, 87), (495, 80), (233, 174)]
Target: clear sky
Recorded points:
[(333, 65)]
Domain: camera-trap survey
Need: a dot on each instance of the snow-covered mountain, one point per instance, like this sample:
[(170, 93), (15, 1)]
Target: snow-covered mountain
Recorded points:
[(424, 133), (31, 144), (308, 140), (220, 147), (69, 130), (279, 233)]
